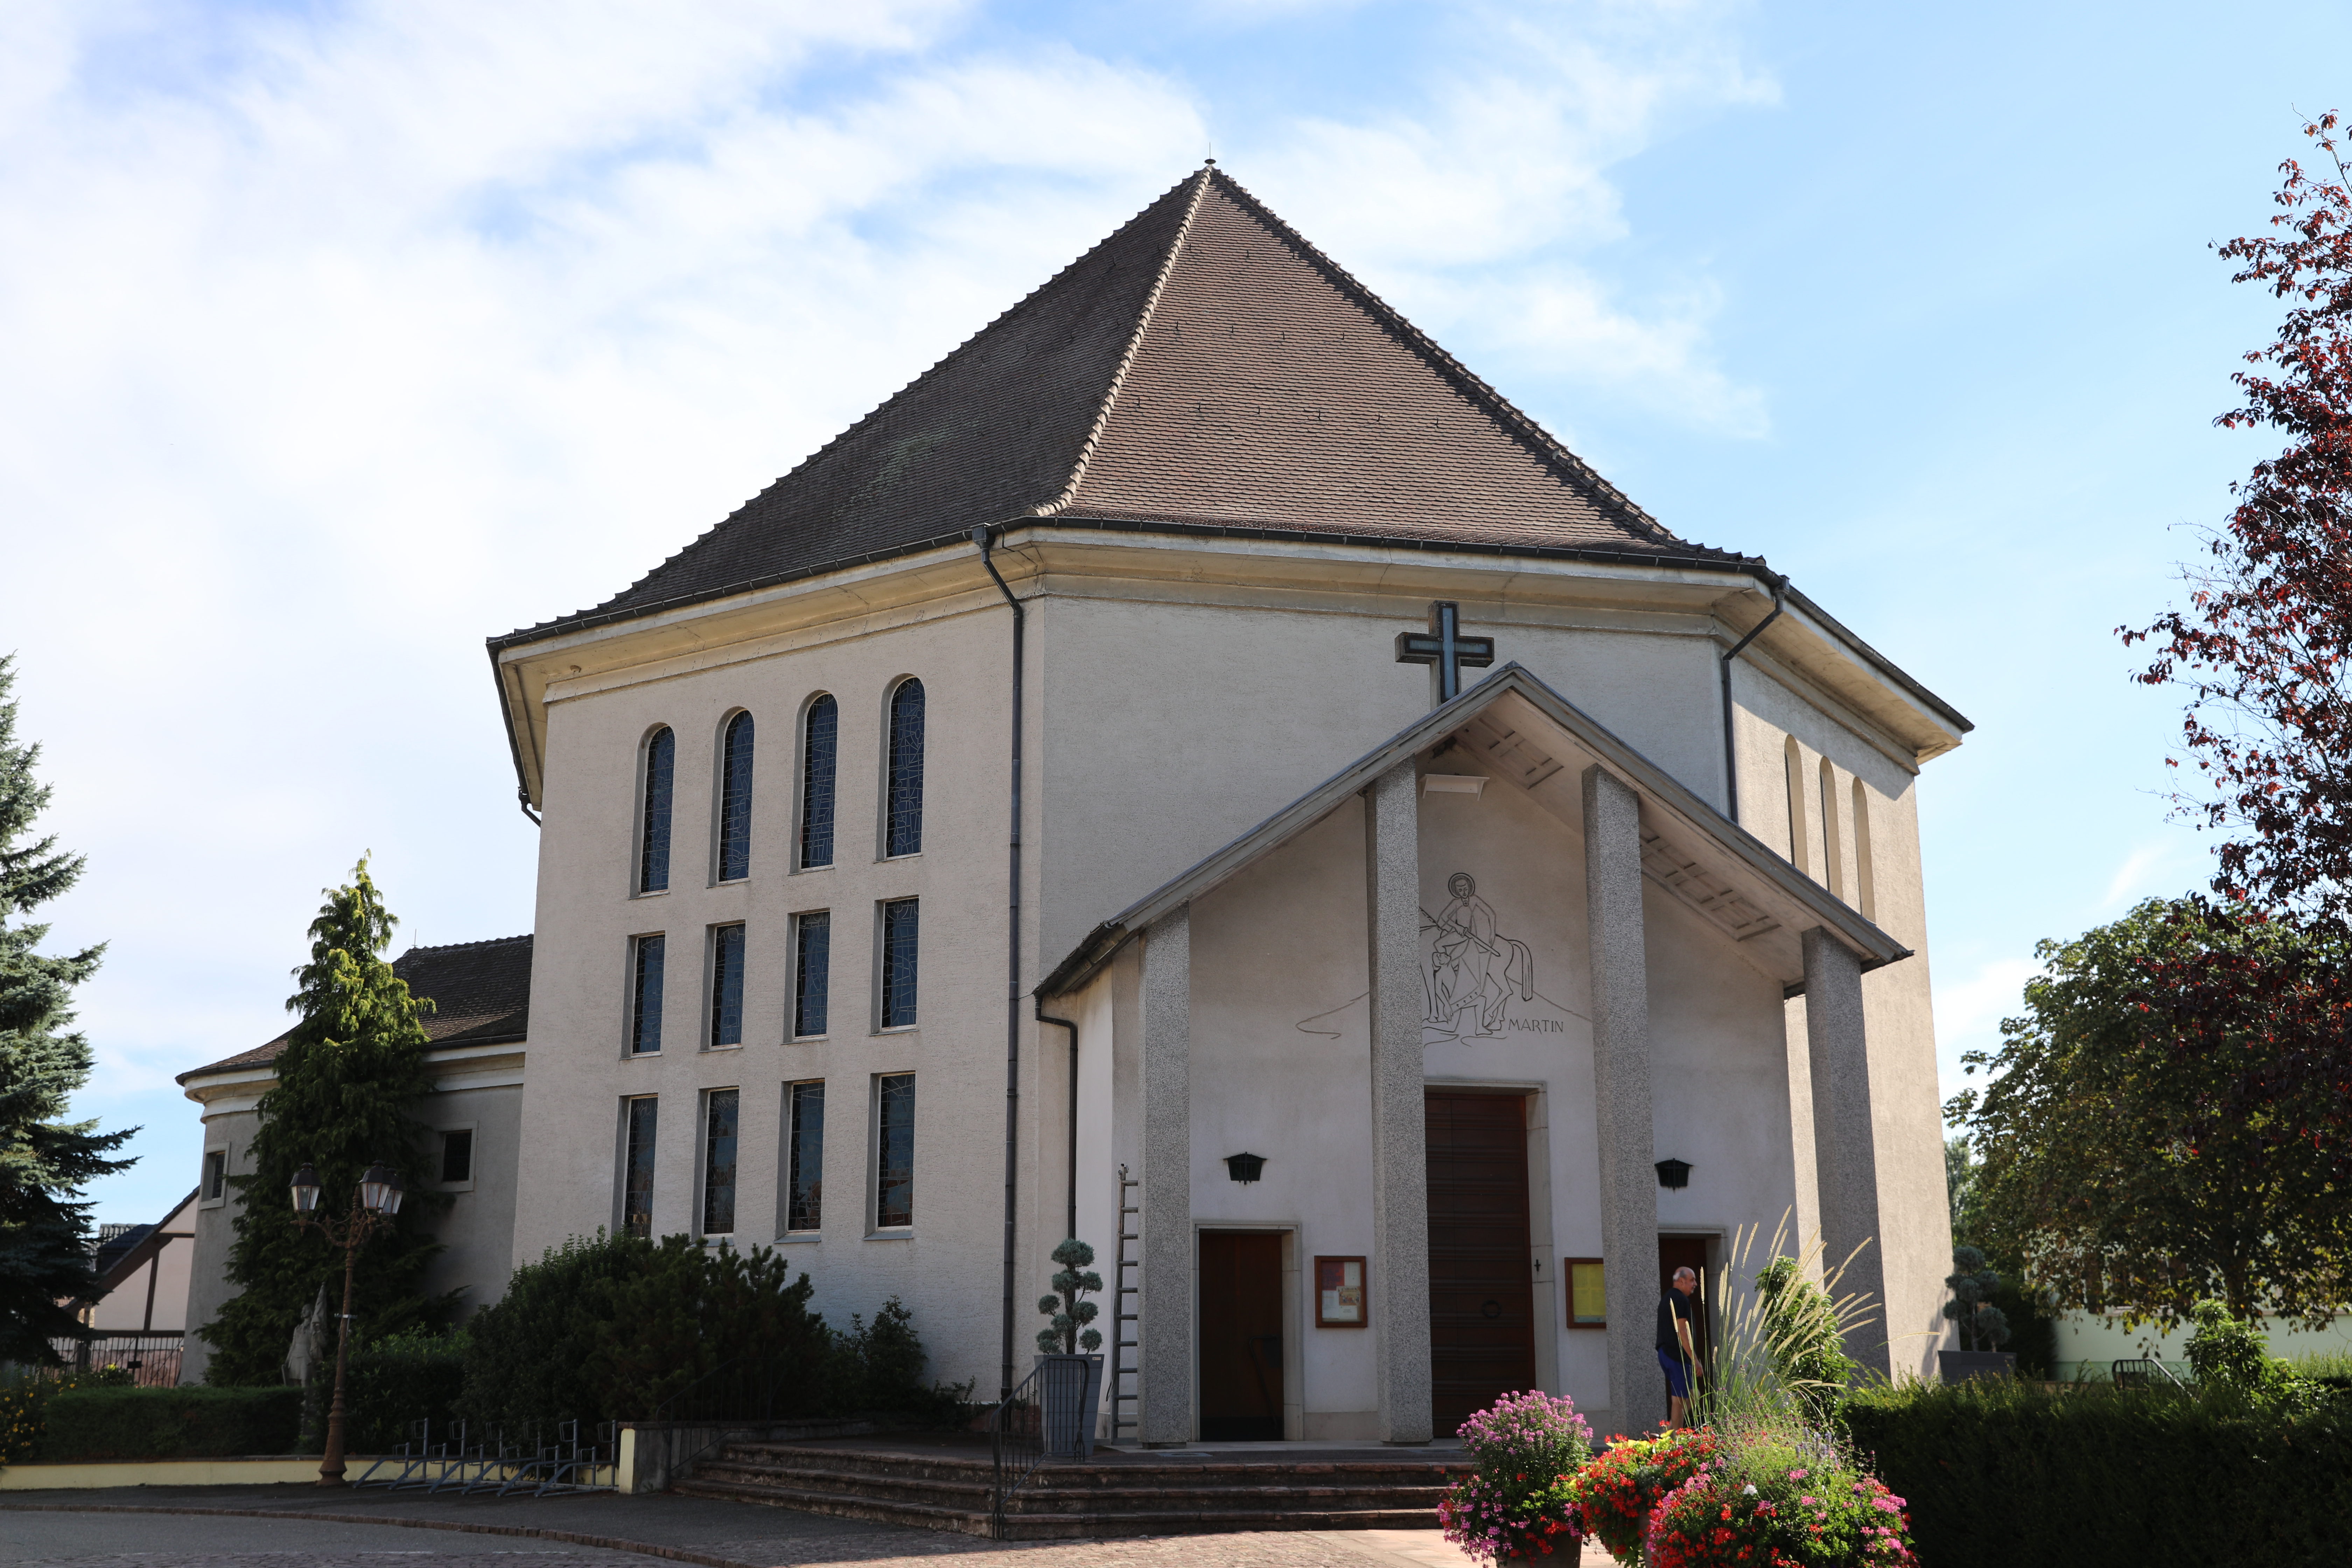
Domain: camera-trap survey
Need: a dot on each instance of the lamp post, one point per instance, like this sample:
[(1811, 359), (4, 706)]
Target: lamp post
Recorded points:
[(375, 1201)]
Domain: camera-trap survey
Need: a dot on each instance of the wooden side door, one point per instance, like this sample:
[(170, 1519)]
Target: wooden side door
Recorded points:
[(1241, 1336)]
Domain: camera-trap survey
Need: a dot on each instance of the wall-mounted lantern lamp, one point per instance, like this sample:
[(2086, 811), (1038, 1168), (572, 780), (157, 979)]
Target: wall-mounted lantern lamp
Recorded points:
[(1245, 1167), (1674, 1174)]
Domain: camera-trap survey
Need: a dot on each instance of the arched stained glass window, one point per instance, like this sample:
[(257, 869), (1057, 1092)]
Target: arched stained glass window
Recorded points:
[(819, 744), (735, 800), (903, 834), (653, 853)]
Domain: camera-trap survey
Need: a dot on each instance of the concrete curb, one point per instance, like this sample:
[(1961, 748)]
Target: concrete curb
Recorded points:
[(569, 1537)]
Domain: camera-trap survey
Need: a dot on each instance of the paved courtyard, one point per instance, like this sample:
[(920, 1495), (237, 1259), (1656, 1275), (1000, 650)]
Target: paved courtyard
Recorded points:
[(156, 1527)]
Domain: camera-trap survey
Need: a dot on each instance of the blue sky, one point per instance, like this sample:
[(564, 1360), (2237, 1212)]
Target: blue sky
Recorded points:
[(342, 336)]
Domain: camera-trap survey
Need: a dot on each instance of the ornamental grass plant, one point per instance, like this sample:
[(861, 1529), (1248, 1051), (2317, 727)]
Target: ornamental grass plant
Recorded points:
[(1767, 1481), (1519, 1506)]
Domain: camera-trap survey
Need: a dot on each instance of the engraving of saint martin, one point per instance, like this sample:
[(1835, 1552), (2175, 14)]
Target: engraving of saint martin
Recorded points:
[(1471, 968)]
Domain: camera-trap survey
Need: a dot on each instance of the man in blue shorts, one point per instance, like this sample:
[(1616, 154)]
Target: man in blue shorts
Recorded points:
[(1676, 1357)]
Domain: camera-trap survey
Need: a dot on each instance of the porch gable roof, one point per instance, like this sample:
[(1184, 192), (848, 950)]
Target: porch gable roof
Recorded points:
[(1524, 732)]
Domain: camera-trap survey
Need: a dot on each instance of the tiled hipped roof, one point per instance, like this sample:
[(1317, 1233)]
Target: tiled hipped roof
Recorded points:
[(480, 992), (1205, 367)]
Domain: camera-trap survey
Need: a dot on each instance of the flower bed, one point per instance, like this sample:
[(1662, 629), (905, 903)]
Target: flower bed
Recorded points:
[(1529, 1449), (1734, 1514), (1616, 1491)]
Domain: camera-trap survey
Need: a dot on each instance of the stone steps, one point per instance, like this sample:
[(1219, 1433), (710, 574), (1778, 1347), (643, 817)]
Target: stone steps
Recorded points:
[(1064, 1500)]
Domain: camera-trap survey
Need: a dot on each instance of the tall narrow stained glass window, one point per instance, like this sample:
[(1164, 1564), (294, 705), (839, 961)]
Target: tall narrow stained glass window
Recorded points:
[(646, 998), (735, 800), (811, 957), (805, 1160), (652, 847), (718, 1160), (637, 1168), (903, 832), (726, 985), (901, 946), (819, 749), (894, 1143)]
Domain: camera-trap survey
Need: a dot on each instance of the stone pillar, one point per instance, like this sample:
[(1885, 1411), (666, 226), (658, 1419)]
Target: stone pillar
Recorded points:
[(1620, 1094), (1400, 1261), (1163, 1350), (1845, 1146)]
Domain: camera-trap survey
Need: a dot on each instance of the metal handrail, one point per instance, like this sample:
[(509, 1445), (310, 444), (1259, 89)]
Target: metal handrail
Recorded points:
[(2132, 1371), (1016, 1447), (1049, 1403)]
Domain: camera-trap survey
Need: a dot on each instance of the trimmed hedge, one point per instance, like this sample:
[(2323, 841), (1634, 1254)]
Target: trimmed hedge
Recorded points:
[(170, 1423), (387, 1388), (1996, 1471)]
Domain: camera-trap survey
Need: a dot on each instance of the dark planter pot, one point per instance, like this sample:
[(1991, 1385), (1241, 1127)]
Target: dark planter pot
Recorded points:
[(1958, 1366), (1067, 1397)]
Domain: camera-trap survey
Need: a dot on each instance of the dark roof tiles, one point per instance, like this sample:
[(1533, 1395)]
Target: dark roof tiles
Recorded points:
[(1205, 367), (480, 992)]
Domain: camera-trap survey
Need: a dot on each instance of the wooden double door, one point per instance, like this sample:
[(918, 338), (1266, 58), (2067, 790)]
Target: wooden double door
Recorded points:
[(1482, 1313)]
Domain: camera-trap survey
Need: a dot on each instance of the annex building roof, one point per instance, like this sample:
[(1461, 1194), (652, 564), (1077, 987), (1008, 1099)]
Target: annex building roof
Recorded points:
[(1514, 728), (1205, 367), (480, 992)]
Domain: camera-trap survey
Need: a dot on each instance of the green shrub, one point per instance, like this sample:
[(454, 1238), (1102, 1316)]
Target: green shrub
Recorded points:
[(192, 1422), (1999, 1470), (388, 1386), (610, 1328)]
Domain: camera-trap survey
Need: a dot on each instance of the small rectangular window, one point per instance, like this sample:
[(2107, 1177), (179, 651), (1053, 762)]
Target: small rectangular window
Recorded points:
[(813, 954), (216, 1173), (726, 986), (645, 999), (637, 1168), (718, 1162), (901, 919), (894, 1142), (458, 1155), (804, 1159)]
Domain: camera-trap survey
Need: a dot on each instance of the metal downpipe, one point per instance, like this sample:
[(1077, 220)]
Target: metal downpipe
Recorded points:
[(1013, 972)]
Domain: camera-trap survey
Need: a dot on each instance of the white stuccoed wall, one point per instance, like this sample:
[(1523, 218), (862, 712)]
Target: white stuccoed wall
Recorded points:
[(1165, 716)]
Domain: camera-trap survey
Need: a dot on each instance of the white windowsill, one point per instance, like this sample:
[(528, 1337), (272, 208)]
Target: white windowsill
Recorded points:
[(894, 1234), (798, 1238)]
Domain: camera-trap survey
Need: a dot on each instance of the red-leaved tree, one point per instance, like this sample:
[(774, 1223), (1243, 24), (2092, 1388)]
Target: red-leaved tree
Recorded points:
[(2264, 647)]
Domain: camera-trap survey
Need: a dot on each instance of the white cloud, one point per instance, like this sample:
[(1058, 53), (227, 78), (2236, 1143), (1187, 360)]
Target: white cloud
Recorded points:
[(1970, 1010), (340, 337)]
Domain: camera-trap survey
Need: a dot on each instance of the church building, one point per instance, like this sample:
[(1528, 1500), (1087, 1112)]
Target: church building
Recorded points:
[(1199, 770)]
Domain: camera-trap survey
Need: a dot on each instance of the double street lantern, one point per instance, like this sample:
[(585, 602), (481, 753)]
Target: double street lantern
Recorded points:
[(373, 1203)]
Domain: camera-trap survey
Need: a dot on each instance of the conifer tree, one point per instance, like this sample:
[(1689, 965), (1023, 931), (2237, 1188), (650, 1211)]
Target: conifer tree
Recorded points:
[(352, 1070), (45, 1163)]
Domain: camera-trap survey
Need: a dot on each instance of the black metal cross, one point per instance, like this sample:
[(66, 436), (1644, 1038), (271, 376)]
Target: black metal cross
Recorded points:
[(1444, 646)]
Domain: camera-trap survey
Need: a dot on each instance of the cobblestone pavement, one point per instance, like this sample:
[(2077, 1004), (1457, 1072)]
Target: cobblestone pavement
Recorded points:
[(694, 1530), (170, 1540)]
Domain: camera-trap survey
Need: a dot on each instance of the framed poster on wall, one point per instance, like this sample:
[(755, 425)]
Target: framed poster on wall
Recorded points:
[(1587, 1294), (1340, 1298)]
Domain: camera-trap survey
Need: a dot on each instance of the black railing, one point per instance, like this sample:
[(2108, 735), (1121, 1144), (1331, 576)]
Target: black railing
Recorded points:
[(734, 1397), (152, 1358), (496, 1463), (1046, 1416), (2142, 1371)]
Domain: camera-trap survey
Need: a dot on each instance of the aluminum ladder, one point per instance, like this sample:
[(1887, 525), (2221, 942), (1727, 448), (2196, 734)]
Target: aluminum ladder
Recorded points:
[(1121, 1368)]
